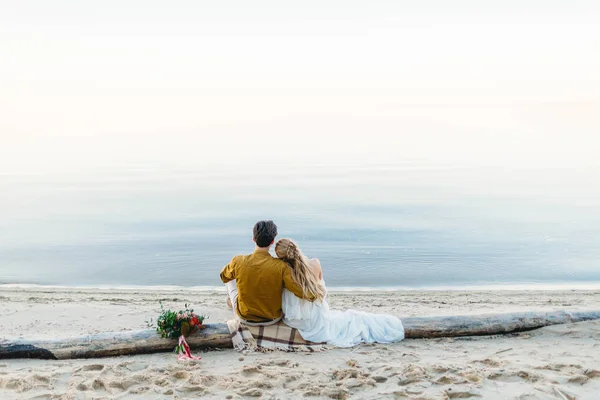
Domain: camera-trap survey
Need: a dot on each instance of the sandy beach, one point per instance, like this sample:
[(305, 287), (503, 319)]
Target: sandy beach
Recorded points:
[(557, 362)]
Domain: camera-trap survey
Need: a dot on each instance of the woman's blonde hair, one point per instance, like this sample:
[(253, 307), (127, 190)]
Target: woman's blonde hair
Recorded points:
[(302, 272)]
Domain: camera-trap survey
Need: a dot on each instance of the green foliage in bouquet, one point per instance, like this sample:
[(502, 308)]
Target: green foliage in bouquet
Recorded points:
[(172, 324)]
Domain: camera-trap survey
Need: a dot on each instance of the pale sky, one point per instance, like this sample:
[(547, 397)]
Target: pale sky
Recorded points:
[(87, 83)]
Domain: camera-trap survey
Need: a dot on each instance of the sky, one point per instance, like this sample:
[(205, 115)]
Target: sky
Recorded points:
[(195, 83)]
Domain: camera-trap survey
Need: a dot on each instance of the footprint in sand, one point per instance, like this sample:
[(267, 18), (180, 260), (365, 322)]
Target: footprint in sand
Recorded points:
[(412, 374), (336, 393), (360, 382), (490, 362), (560, 367), (16, 384), (136, 367), (140, 390), (440, 369), (44, 396), (162, 382), (40, 378), (98, 385), (257, 384), (529, 376), (505, 376), (122, 384), (181, 375), (251, 392), (279, 363), (199, 390), (592, 373), (251, 370), (292, 377), (341, 374), (581, 379), (471, 375), (461, 394), (208, 380), (448, 380), (313, 391), (306, 385), (92, 367), (379, 378)]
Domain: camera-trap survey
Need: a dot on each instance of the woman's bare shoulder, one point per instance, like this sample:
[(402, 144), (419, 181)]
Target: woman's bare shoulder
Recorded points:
[(316, 265), (315, 261)]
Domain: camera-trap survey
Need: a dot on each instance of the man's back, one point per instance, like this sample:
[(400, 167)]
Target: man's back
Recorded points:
[(260, 280)]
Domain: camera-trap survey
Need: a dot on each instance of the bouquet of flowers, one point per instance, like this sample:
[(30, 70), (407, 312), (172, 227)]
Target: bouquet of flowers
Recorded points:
[(172, 324)]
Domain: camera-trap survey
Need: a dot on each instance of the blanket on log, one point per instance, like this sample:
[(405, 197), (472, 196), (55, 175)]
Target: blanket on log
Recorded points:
[(278, 336)]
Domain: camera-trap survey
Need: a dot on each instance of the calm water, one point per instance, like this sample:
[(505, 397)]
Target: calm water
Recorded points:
[(400, 225)]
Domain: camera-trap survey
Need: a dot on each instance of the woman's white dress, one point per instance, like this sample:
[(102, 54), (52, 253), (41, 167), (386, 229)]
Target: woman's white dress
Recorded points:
[(317, 323)]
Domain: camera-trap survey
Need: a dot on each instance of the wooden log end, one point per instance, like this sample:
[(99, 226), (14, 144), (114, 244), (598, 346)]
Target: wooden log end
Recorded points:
[(25, 351)]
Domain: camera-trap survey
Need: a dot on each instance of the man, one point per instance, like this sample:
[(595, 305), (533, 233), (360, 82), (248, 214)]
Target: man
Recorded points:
[(255, 282)]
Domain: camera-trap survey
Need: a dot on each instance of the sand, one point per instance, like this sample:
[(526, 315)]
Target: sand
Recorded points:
[(558, 362)]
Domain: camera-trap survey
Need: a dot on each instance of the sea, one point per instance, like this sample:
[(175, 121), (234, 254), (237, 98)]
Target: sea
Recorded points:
[(396, 226)]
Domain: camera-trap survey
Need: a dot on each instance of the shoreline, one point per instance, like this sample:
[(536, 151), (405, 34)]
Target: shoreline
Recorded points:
[(584, 286)]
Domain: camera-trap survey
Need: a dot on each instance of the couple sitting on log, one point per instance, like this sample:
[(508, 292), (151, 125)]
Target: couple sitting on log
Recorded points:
[(264, 290)]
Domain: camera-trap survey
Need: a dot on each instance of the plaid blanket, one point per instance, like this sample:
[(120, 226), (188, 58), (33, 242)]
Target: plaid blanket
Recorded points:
[(278, 336)]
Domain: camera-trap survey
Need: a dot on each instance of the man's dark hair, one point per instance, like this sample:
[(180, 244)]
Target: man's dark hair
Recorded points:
[(264, 233)]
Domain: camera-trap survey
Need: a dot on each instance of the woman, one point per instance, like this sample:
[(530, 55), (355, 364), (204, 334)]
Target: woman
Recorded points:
[(315, 321)]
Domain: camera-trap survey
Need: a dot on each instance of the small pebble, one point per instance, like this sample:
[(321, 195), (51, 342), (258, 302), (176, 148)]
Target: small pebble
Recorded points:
[(241, 359)]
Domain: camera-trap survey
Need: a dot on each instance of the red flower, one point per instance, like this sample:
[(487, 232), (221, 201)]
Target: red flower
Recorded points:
[(194, 321)]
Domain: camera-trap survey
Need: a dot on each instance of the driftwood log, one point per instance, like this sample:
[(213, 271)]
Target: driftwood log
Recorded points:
[(217, 335)]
